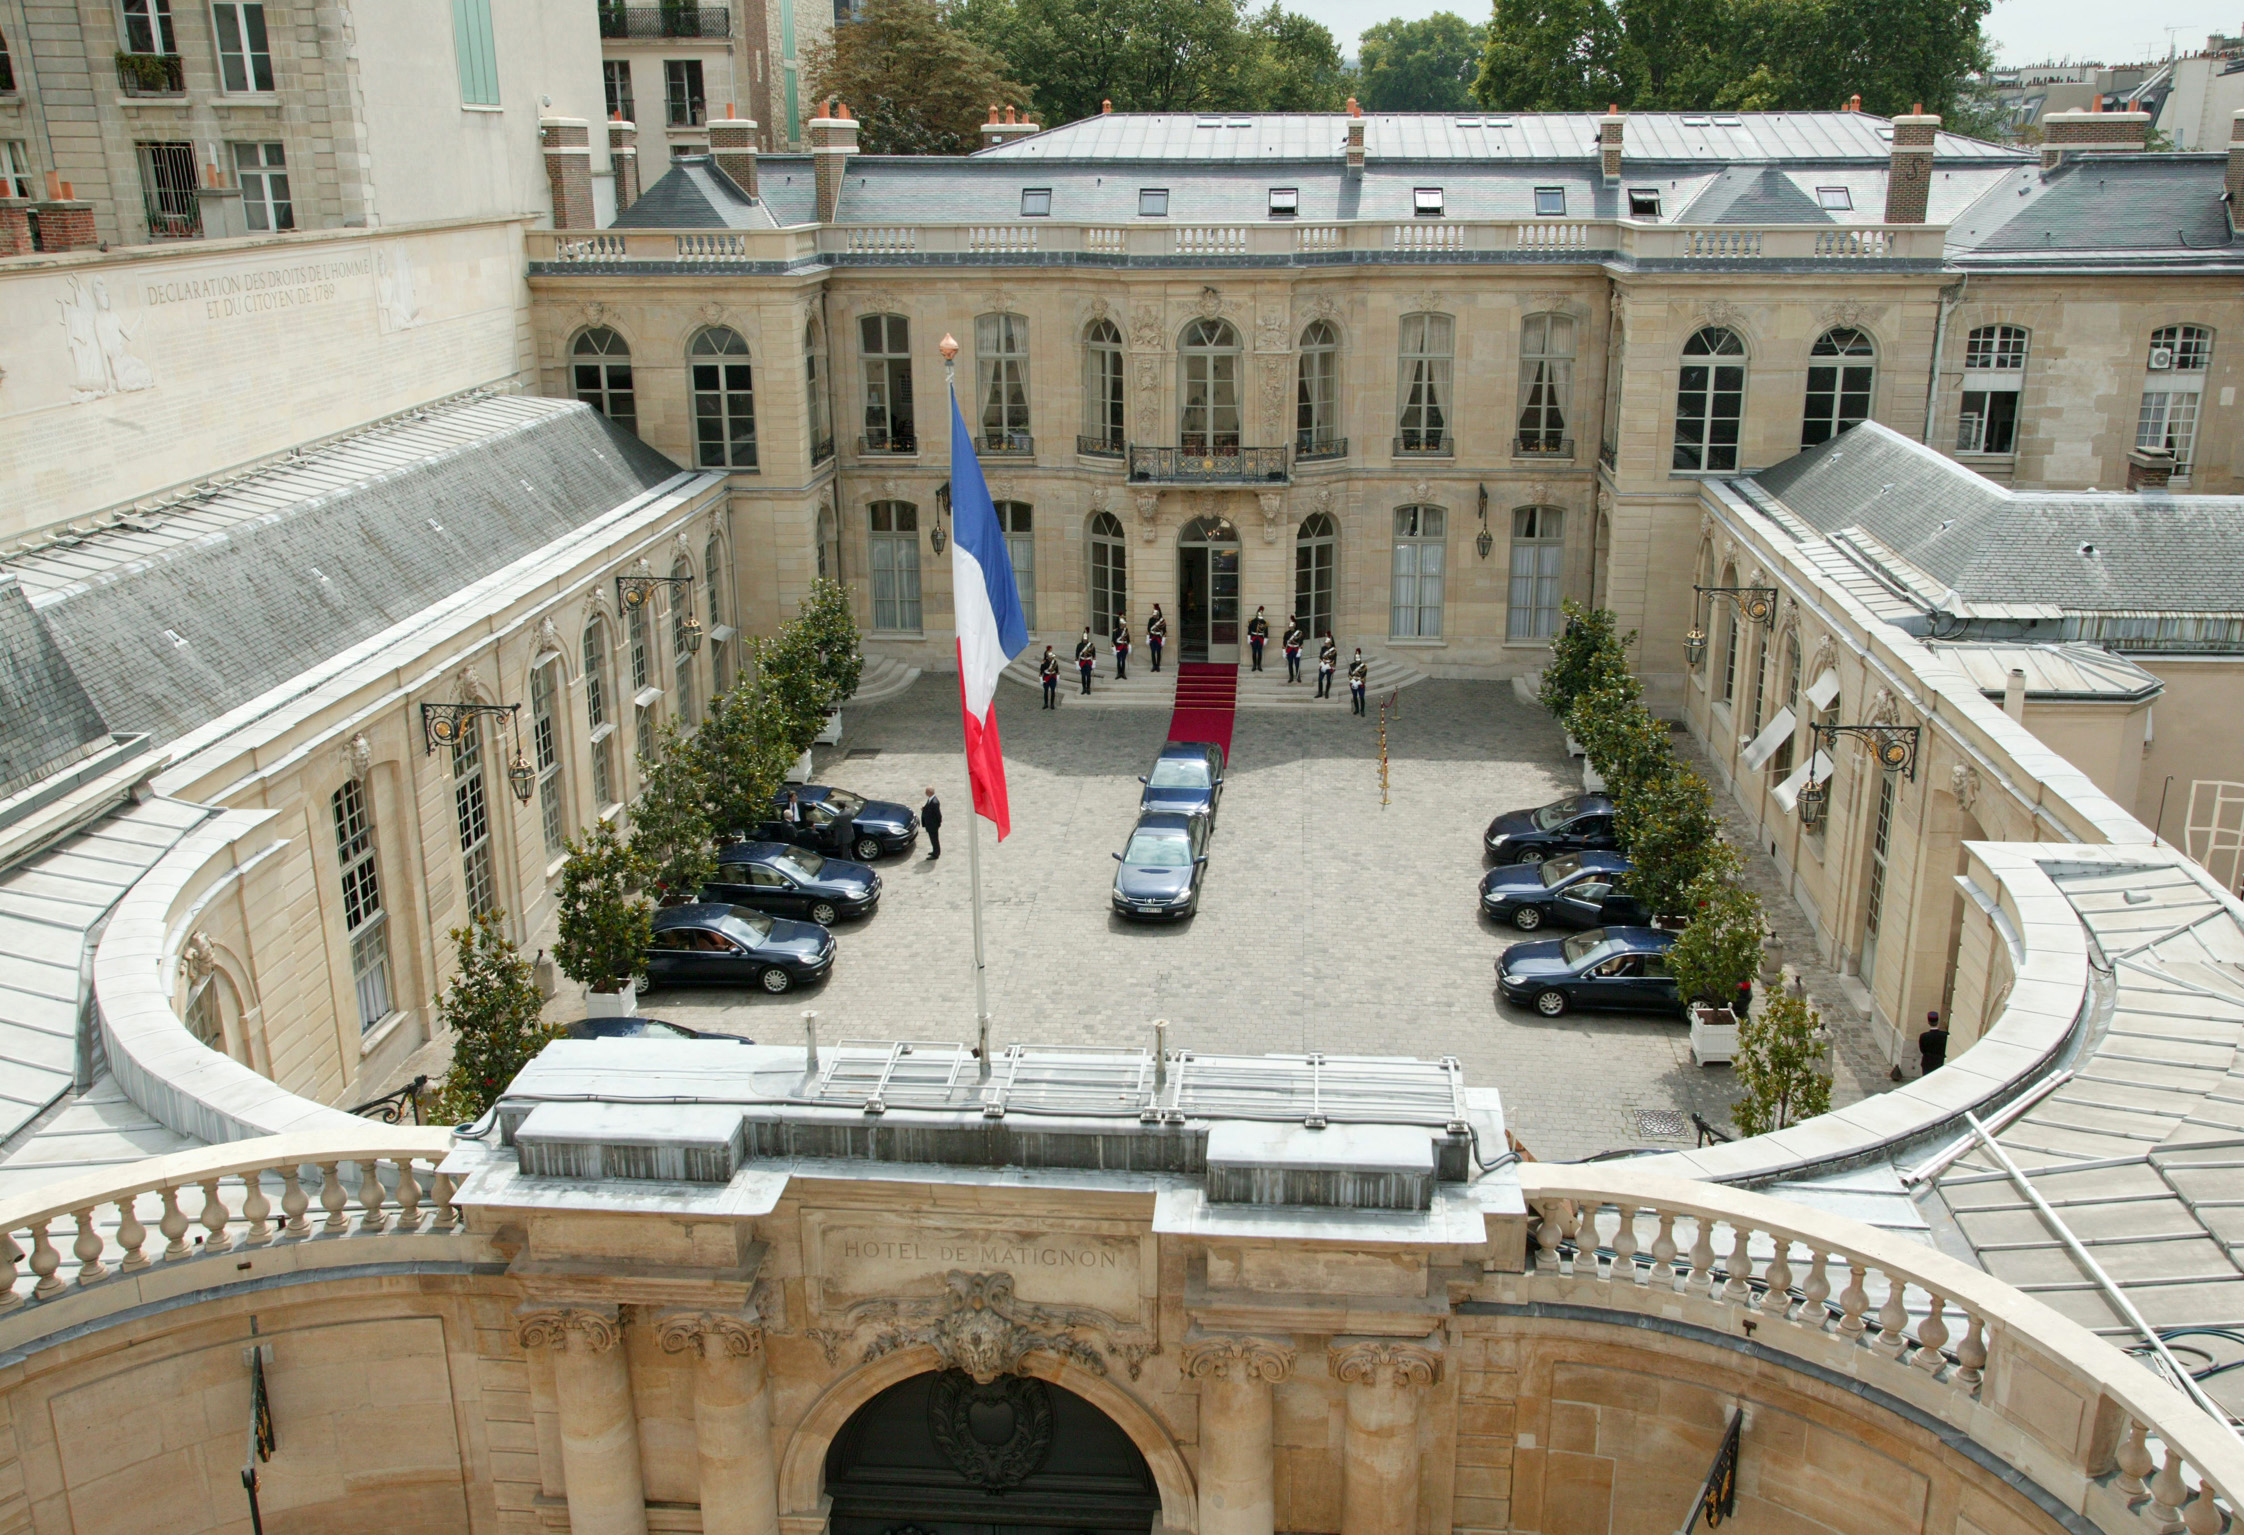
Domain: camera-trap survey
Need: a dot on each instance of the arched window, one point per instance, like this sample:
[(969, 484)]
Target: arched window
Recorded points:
[(545, 743), (884, 347), (1538, 562), (683, 634), (206, 1013), (599, 715), (1208, 394), (471, 811), (1994, 373), (1001, 381), (1729, 636), (717, 570), (1316, 427), (1109, 572), (1428, 352), (601, 364), (1709, 400), (724, 400), (1841, 365), (2173, 388), (1788, 684), (643, 678), (1019, 523), (1546, 383), (894, 531), (1103, 427), (365, 919), (1316, 546), (1421, 548), (814, 390)]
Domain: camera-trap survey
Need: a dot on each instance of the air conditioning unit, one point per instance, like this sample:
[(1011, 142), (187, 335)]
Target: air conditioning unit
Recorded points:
[(2161, 358)]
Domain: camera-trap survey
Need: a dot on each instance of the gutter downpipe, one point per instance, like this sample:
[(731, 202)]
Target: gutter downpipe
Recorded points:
[(1948, 306)]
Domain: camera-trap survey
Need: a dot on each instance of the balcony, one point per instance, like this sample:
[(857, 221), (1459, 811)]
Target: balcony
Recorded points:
[(1099, 447), (821, 449), (1425, 445), (1218, 465), (887, 445), (1005, 445), (151, 74), (1309, 449), (665, 21), (1542, 445)]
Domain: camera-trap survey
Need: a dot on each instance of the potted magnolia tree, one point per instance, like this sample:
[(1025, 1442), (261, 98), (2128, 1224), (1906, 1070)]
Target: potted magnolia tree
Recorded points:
[(1714, 957), (605, 922), (495, 1014), (1780, 1064)]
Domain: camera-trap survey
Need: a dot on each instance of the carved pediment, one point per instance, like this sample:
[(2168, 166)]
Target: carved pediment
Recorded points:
[(980, 1326)]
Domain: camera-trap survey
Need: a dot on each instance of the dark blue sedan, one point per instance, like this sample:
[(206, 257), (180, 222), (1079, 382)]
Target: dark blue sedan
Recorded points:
[(1610, 967), (1187, 778), (830, 820), (636, 1027), (1575, 824), (713, 944), (1577, 890), (1163, 867), (786, 881)]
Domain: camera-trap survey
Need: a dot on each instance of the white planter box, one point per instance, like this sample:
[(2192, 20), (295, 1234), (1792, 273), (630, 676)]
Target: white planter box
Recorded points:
[(800, 772), (1714, 1035), (612, 1004), (1574, 747), (832, 734), (1592, 781)]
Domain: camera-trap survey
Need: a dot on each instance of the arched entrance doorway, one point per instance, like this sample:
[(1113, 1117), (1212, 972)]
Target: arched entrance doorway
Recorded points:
[(1208, 591), (939, 1455)]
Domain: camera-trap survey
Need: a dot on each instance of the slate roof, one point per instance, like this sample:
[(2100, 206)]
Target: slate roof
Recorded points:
[(2078, 551), (2053, 672), (694, 194), (1764, 196), (2135, 204), (46, 719)]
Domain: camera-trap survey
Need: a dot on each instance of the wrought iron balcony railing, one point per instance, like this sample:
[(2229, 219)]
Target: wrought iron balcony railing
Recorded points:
[(1214, 465), (1542, 445), (665, 21), (1005, 445), (886, 444), (822, 449), (1308, 447), (151, 74), (1425, 445), (1099, 447)]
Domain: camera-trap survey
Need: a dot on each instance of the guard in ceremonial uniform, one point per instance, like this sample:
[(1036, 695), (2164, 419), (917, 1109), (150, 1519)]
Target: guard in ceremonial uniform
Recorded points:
[(1157, 634), (1293, 639), (1359, 678), (1086, 657), (1121, 649), (1049, 670), (1328, 662), (1258, 635)]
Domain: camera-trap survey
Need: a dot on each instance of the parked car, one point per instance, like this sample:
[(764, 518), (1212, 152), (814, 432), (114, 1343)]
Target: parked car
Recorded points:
[(1164, 866), (1575, 824), (830, 820), (635, 1027), (711, 943), (793, 882), (1614, 967), (1186, 777), (1573, 890)]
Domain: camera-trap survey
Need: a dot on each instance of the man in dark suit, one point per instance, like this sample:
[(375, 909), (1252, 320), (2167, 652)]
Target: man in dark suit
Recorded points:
[(1932, 1046), (1258, 635), (931, 817)]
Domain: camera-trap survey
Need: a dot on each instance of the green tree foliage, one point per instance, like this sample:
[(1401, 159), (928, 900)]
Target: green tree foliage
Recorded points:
[(1720, 947), (671, 835), (739, 757), (1741, 55), (1586, 653), (605, 923), (492, 1006), (1420, 66), (918, 85), (1290, 64), (1668, 827), (1781, 1051), (1626, 743), (830, 629)]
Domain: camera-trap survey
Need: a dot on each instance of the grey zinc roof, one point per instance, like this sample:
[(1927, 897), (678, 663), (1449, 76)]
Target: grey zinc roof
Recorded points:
[(2081, 551), (2053, 672), (694, 194), (2146, 204), (170, 623), (46, 719), (1744, 195)]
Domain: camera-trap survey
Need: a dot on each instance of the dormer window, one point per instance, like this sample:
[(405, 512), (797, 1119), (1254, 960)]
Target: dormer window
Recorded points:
[(1550, 202), (1153, 202), (1426, 202), (1036, 202), (1643, 202), (1285, 202), (1835, 199)]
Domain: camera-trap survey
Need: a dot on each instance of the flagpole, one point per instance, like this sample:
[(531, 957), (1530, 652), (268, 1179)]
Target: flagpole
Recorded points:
[(949, 349)]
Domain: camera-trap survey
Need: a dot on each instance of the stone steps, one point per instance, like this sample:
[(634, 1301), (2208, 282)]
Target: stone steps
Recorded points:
[(1266, 689), (884, 678)]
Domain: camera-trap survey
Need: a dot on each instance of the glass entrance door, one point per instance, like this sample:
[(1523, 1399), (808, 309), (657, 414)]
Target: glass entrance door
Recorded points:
[(1208, 591)]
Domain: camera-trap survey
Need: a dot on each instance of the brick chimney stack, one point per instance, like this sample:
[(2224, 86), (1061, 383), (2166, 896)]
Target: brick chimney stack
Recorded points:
[(15, 226), (2235, 167), (833, 139), (1609, 128), (732, 148), (1909, 171), (64, 222), (1355, 140), (568, 170), (2149, 468), (623, 157), (1004, 130), (2064, 133)]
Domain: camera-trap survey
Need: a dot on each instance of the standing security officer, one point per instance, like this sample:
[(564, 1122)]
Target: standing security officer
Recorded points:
[(931, 817), (1293, 639), (1359, 678), (1157, 634), (1086, 657), (1049, 670), (1328, 662), (1121, 648), (1258, 635)]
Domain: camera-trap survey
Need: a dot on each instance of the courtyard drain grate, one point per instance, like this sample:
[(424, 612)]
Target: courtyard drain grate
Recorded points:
[(1662, 1124)]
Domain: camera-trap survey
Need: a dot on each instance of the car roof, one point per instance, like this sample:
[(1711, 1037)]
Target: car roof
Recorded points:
[(693, 914), (1606, 862), (1644, 939), (1164, 820), (1189, 749), (804, 791), (1586, 803), (749, 852)]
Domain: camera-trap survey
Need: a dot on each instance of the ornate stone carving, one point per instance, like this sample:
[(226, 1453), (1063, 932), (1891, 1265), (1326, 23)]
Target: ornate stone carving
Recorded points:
[(891, 488), (1270, 331), (1554, 301), (1426, 301), (358, 752), (1273, 512), (1885, 708), (1963, 783), (470, 681), (978, 1325), (1852, 313), (549, 636), (595, 312), (1706, 527), (1102, 498), (998, 301), (1095, 310), (1718, 311), (197, 958), (712, 312), (1385, 1362), (1826, 655), (681, 546), (598, 1328), (877, 301), (1326, 500), (1323, 307), (603, 598), (710, 1333), (1237, 1358), (1423, 490), (1604, 500), (1146, 330), (1274, 372), (1210, 306), (995, 1433), (1003, 490), (1149, 513), (1149, 396)]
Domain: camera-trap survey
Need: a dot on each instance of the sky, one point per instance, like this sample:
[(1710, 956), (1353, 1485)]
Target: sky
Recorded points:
[(2023, 31)]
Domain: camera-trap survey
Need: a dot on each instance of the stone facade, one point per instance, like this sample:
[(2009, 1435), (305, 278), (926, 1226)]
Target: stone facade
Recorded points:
[(749, 55)]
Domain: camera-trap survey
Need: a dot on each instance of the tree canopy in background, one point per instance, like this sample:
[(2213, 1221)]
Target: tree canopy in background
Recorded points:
[(1420, 66), (918, 85), (1735, 55)]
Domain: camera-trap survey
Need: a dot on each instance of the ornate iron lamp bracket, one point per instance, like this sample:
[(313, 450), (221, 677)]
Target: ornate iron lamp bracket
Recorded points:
[(632, 592), (445, 724), (1894, 746), (1757, 603)]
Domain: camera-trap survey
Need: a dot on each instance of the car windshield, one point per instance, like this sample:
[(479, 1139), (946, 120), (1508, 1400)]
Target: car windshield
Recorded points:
[(802, 861), (1557, 871), (1554, 815), (758, 925), (844, 803), (1582, 945), (1178, 773), (1159, 850)]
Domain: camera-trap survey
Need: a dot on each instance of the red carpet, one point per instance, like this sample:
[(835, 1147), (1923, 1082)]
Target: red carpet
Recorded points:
[(1207, 703)]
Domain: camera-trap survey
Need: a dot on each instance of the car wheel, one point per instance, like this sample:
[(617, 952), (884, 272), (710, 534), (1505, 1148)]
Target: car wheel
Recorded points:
[(1530, 855), (867, 849), (1528, 918), (776, 980), (823, 914), (1550, 1003)]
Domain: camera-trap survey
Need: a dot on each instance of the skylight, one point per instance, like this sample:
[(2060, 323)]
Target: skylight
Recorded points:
[(1427, 202), (1285, 202), (1550, 202), (1837, 199), (1153, 202), (1036, 202)]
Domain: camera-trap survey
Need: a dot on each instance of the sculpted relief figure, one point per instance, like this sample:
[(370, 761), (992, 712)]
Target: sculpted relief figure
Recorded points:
[(101, 356)]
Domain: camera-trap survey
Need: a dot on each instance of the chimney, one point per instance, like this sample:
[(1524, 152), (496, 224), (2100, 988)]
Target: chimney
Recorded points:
[(1854, 102), (732, 147), (568, 170), (1909, 171), (623, 157), (1106, 106), (15, 226), (2014, 694), (62, 223), (833, 139), (2149, 468), (2064, 133), (1006, 129), (1355, 140), (2235, 165), (1609, 144)]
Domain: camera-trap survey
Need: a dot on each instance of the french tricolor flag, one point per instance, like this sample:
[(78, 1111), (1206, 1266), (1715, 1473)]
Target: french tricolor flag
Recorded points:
[(991, 630)]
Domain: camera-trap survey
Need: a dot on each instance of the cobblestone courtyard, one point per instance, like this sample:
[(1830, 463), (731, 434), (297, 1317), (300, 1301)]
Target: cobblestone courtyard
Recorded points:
[(1330, 923)]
